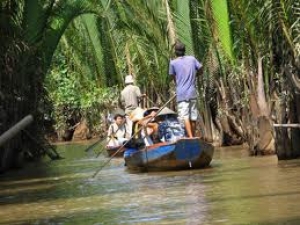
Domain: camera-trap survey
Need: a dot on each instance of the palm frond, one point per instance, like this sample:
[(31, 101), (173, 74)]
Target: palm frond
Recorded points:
[(221, 19)]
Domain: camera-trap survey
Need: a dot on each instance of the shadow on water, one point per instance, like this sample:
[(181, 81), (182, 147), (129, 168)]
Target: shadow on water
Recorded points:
[(62, 179), (48, 185), (107, 217), (87, 218)]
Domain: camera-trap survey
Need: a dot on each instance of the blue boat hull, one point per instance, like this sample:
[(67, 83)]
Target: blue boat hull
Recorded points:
[(183, 154)]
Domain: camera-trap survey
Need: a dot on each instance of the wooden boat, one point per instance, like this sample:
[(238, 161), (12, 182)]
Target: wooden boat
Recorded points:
[(183, 154), (116, 151)]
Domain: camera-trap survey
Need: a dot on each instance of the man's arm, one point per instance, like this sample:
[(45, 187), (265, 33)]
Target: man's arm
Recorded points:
[(140, 96)]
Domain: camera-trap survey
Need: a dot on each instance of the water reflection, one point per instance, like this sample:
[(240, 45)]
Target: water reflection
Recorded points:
[(236, 189)]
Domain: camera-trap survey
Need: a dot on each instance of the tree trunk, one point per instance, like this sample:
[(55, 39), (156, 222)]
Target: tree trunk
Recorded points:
[(282, 143), (261, 96), (261, 118), (171, 26), (128, 60), (207, 124), (288, 138), (230, 131)]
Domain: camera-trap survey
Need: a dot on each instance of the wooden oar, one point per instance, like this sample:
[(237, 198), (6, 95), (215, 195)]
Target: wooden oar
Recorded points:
[(98, 153), (142, 127), (150, 100), (94, 145)]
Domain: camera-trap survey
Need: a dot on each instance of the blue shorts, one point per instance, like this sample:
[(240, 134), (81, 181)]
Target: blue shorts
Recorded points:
[(188, 109)]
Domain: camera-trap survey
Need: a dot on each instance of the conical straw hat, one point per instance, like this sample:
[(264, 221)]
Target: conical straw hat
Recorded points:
[(147, 112), (166, 111)]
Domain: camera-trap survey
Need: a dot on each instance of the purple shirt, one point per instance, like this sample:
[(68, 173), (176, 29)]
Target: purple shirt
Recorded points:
[(184, 69)]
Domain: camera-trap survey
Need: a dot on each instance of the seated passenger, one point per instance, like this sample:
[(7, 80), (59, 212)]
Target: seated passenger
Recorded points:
[(134, 118), (117, 132), (149, 125), (170, 129), (142, 128), (131, 121)]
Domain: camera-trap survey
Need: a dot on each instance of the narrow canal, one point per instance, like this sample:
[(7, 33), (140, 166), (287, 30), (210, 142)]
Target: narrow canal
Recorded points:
[(236, 189)]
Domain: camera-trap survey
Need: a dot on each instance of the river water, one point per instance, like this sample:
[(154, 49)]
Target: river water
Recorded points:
[(236, 189)]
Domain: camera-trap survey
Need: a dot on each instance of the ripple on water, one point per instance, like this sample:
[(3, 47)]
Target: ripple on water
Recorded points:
[(236, 189)]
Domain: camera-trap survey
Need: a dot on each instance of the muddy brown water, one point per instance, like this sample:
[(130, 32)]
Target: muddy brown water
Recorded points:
[(236, 189)]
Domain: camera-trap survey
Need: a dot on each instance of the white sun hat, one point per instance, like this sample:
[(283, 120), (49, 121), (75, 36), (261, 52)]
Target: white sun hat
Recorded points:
[(137, 114), (129, 79)]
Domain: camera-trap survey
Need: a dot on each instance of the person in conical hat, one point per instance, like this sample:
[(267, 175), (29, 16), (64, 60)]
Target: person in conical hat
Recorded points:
[(141, 126), (150, 111), (163, 127), (170, 129), (166, 111)]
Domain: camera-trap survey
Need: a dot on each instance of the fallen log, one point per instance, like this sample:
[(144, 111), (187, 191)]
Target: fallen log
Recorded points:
[(14, 130)]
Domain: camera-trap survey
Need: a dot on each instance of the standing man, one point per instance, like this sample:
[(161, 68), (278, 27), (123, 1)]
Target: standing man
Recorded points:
[(184, 70), (130, 98), (130, 95)]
